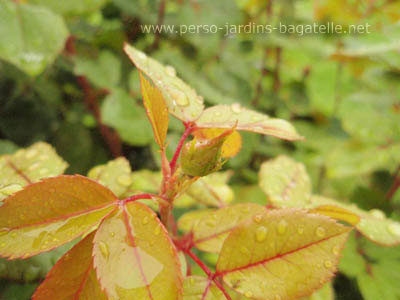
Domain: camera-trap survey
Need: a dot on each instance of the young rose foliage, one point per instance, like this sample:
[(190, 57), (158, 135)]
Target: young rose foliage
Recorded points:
[(124, 250)]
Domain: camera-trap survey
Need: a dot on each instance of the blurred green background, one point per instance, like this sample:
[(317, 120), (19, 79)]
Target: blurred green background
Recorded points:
[(64, 79)]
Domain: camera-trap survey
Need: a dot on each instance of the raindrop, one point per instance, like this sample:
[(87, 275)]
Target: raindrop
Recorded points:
[(170, 71), (236, 108), (257, 218), (248, 294), (157, 230), (300, 229), (180, 97), (104, 250), (34, 166), (320, 232), (282, 226), (145, 220), (394, 229), (377, 213), (328, 264), (261, 233), (336, 250), (141, 55)]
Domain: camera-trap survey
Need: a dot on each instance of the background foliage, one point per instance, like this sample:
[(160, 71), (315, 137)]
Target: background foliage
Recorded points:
[(64, 79)]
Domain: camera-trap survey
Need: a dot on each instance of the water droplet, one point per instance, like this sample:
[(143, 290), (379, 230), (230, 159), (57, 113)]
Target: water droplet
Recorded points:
[(3, 245), (145, 220), (261, 234), (124, 180), (300, 229), (34, 166), (320, 232), (394, 229), (244, 250), (377, 213), (141, 55), (282, 226), (217, 114), (30, 153), (112, 234), (248, 294), (336, 250), (169, 70), (180, 97), (236, 108), (257, 218), (328, 264), (104, 250), (157, 230)]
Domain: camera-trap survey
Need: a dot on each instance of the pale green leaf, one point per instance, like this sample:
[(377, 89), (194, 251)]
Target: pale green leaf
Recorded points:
[(182, 101), (201, 288), (116, 175), (235, 116), (32, 36)]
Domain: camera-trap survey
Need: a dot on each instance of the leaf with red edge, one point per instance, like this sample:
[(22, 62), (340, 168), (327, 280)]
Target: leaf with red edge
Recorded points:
[(235, 116), (286, 254), (135, 258), (210, 227), (73, 277), (50, 213), (156, 109)]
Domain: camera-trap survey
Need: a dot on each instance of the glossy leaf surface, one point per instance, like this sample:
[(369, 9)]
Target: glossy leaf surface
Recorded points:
[(285, 253), (235, 116), (200, 288), (50, 213), (73, 277), (116, 175), (32, 36), (182, 101), (135, 258), (211, 227), (232, 144), (156, 109)]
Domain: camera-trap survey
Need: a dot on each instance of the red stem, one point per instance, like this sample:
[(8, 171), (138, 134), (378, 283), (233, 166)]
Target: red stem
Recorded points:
[(209, 273), (188, 131)]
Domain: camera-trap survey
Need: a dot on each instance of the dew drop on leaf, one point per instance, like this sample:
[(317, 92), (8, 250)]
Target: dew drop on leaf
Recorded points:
[(261, 233), (300, 229), (320, 232), (248, 294), (377, 213), (170, 71), (394, 229), (282, 226), (180, 98), (236, 108), (157, 230), (328, 264), (145, 220), (336, 250), (257, 218), (104, 250)]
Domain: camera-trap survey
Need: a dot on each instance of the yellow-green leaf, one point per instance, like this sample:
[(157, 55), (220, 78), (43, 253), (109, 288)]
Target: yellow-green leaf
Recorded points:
[(211, 227), (202, 157), (285, 254), (27, 166), (211, 190), (201, 288), (235, 116), (135, 258), (182, 101), (116, 175), (73, 277), (324, 293), (232, 144), (50, 213), (285, 181), (294, 190), (156, 109)]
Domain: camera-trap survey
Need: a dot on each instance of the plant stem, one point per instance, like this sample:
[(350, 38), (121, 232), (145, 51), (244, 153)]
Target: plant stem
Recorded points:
[(160, 21), (395, 186), (188, 131), (209, 273)]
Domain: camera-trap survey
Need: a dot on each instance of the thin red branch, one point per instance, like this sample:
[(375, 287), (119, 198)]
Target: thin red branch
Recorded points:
[(188, 131), (110, 136), (212, 276)]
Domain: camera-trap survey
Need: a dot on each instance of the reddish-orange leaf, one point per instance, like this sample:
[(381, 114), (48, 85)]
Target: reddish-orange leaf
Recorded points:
[(156, 109), (49, 213), (135, 258), (232, 144), (73, 277), (284, 254)]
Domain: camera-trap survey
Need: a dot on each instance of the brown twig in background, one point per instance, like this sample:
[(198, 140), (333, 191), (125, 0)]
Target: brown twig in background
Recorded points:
[(395, 186), (278, 59), (160, 21), (264, 72), (110, 136)]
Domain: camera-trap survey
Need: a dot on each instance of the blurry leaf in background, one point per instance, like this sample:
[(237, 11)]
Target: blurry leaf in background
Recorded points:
[(32, 36), (71, 7), (104, 71), (120, 111)]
